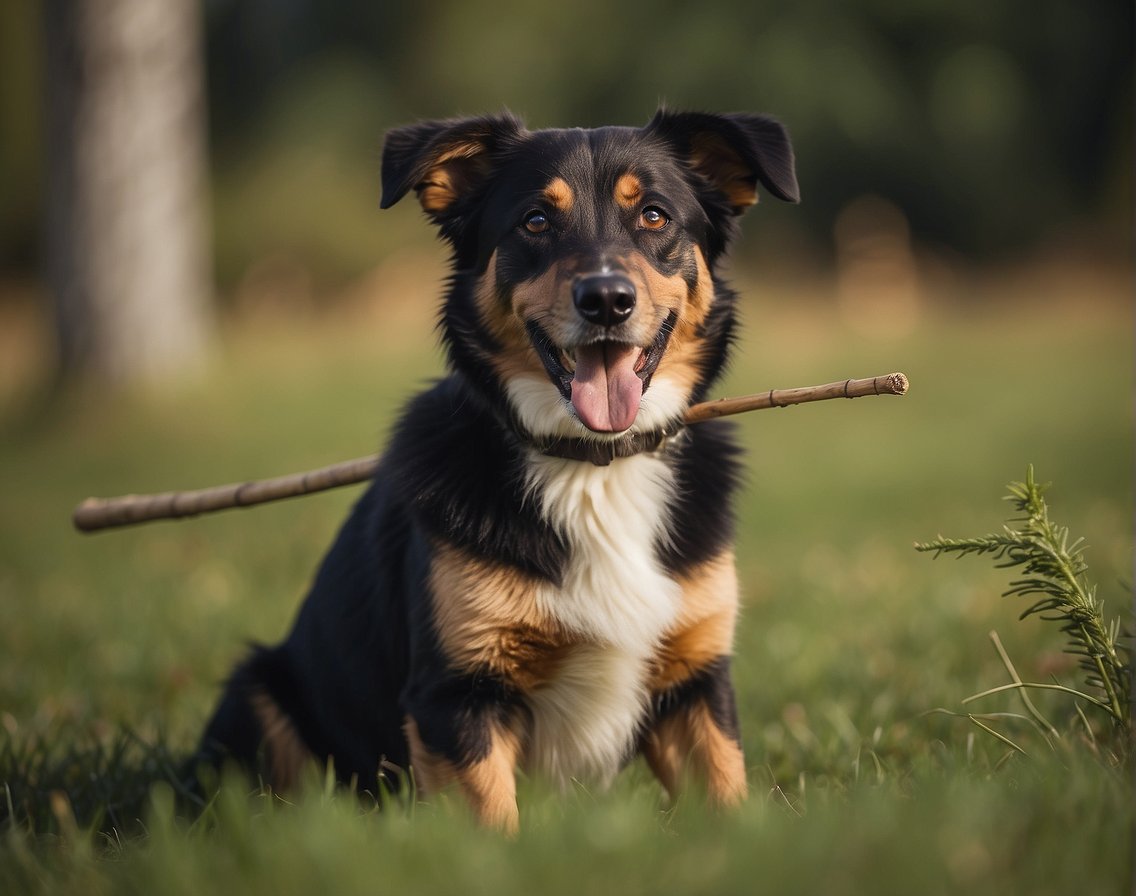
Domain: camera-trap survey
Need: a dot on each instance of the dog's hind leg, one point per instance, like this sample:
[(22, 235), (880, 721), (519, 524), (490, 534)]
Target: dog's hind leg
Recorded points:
[(251, 729)]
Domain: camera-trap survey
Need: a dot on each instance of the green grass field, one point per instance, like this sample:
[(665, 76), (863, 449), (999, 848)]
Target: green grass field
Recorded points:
[(848, 638)]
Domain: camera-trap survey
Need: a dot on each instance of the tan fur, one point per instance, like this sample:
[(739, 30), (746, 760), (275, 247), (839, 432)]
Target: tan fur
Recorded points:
[(628, 189), (548, 299), (721, 759), (681, 362), (725, 169), (487, 620), (689, 741), (704, 630), (488, 785), (516, 356), (285, 752), (450, 176), (490, 305), (560, 195)]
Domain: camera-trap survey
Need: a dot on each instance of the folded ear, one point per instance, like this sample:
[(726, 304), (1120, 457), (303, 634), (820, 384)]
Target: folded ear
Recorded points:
[(442, 160), (733, 153)]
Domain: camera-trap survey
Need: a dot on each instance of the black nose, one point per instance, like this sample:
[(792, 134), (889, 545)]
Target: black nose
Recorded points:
[(604, 299)]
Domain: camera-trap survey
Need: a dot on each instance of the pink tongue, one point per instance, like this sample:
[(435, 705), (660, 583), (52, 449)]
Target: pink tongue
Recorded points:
[(605, 388)]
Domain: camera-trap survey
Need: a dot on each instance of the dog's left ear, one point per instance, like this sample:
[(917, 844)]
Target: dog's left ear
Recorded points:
[(443, 161), (733, 153)]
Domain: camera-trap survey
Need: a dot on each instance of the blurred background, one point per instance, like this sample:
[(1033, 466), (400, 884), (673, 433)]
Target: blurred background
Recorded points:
[(165, 166), (197, 286)]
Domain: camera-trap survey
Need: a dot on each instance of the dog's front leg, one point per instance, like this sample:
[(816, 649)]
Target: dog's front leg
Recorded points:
[(695, 729), (476, 752), (694, 720)]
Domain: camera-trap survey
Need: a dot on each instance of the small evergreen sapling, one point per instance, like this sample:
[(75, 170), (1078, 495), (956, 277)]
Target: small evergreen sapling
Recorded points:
[(1052, 576)]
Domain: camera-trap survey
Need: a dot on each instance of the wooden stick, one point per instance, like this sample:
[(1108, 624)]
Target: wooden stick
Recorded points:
[(891, 384), (104, 513)]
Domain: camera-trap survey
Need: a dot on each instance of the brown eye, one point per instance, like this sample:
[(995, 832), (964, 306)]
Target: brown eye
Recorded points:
[(652, 218), (536, 222)]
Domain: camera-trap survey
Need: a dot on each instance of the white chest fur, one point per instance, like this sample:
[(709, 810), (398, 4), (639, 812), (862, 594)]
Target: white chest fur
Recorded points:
[(614, 596)]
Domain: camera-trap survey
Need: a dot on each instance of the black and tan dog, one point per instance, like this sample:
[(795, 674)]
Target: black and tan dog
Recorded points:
[(541, 575)]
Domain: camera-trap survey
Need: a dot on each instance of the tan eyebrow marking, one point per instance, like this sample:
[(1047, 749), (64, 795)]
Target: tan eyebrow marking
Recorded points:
[(628, 189), (559, 194)]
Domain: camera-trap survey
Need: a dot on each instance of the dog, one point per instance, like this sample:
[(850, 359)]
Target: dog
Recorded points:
[(541, 574)]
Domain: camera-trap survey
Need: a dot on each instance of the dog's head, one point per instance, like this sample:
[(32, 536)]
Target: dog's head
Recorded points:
[(584, 300)]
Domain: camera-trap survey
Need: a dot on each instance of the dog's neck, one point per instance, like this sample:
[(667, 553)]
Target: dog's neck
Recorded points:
[(602, 453)]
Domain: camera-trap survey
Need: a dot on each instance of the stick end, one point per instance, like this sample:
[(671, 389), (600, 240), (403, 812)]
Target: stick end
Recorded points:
[(87, 516), (897, 383)]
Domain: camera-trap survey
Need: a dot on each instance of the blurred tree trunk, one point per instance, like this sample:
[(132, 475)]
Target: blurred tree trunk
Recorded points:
[(126, 242)]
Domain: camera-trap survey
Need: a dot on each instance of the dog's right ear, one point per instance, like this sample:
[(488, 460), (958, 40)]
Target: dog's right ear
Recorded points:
[(443, 161)]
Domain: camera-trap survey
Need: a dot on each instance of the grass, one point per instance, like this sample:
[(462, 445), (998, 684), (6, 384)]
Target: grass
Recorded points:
[(114, 644), (950, 832)]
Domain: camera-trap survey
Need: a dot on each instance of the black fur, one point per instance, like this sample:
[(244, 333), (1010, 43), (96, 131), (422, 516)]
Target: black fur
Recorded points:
[(364, 652)]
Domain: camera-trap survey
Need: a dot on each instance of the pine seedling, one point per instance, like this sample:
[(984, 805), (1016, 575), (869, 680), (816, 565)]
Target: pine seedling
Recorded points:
[(1053, 577)]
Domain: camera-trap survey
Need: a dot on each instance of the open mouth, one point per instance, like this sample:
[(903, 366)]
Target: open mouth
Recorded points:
[(604, 380)]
